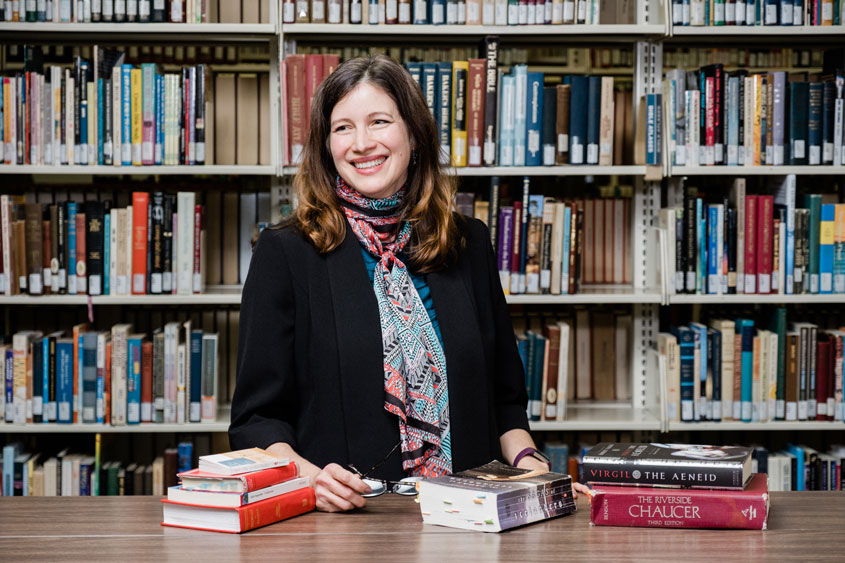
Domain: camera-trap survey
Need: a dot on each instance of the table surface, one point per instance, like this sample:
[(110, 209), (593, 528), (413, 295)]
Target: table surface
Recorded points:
[(806, 526)]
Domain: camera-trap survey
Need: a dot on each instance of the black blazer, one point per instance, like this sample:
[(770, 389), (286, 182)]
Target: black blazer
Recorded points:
[(310, 369)]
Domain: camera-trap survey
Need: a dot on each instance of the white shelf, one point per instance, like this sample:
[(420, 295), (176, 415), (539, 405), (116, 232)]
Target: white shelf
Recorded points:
[(408, 31), (532, 171), (193, 30), (752, 298), (763, 32), (138, 170), (755, 170), (775, 426), (592, 295), (145, 428), (601, 418), (217, 295)]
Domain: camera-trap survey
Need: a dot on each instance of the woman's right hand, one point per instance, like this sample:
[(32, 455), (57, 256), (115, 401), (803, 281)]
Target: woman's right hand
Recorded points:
[(339, 490)]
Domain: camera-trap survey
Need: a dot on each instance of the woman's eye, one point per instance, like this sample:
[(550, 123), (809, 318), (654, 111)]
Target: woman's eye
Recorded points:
[(340, 128)]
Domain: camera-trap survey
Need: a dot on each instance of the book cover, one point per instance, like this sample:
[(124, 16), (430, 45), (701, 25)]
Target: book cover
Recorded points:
[(495, 497), (239, 461), (460, 72), (668, 465), (217, 499), (491, 81), (534, 120), (663, 508), (195, 479), (241, 519)]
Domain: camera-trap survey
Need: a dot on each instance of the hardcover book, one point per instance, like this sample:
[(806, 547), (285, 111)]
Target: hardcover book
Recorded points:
[(668, 465), (229, 499), (240, 461), (205, 481), (495, 497), (664, 508)]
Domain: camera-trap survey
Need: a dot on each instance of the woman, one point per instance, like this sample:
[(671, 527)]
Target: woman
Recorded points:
[(373, 323)]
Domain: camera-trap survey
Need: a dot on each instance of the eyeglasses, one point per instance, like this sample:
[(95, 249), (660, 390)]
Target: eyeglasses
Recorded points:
[(405, 487)]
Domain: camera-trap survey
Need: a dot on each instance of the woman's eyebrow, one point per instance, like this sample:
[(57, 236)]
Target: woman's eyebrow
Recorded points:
[(370, 116)]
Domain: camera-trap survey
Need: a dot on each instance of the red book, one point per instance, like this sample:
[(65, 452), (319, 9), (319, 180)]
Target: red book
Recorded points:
[(196, 281), (750, 244), (313, 77), (765, 236), (81, 253), (709, 113), (297, 117), (330, 62), (824, 373), (146, 381), (46, 253), (516, 230), (241, 519), (653, 507), (140, 202), (243, 483), (475, 103)]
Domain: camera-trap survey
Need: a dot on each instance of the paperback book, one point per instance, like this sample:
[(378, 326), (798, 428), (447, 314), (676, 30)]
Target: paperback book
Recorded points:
[(240, 461), (218, 499), (495, 497), (197, 480), (668, 465)]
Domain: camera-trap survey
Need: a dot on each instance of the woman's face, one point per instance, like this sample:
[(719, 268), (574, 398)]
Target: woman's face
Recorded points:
[(369, 142)]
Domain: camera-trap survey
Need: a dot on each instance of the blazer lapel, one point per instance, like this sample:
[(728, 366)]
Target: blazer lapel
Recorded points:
[(358, 331), (465, 363)]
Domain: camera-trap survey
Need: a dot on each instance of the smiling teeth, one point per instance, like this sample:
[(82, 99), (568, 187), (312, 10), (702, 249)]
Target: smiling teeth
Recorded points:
[(369, 164)]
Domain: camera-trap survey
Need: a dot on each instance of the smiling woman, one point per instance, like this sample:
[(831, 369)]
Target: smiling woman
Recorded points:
[(374, 316)]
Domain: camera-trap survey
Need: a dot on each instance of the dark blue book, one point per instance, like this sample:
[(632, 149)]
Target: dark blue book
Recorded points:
[(593, 118), (535, 399), (828, 113), (429, 87), (415, 70), (548, 128), (437, 12), (714, 372), (534, 120), (71, 247), (814, 122), (83, 113), (798, 107), (158, 151), (89, 377), (195, 395), (133, 378), (686, 346), (185, 456), (745, 330), (444, 111), (64, 380), (578, 118), (654, 121)]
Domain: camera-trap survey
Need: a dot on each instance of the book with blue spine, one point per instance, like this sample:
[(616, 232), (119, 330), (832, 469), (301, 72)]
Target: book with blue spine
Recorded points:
[(567, 242), (159, 119), (506, 121), (535, 399), (578, 118), (437, 12), (38, 380), (686, 347), (64, 380), (798, 474), (714, 367), (45, 377), (745, 330), (786, 12), (444, 111), (593, 118), (714, 273), (9, 384), (826, 228), (415, 70), (107, 249), (126, 115), (701, 349), (100, 411), (654, 124), (195, 389), (520, 73), (133, 378), (185, 456), (71, 247), (10, 452), (429, 88), (534, 120)]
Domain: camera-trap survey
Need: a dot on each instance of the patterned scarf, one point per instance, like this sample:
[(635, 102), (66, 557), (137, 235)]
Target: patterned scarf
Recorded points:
[(415, 382)]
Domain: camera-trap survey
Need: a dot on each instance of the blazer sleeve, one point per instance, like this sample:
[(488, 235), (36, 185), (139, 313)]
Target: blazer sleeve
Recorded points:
[(265, 405), (511, 398)]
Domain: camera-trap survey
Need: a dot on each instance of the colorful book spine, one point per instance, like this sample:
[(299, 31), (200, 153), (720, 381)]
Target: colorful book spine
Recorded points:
[(826, 238), (133, 379), (745, 330)]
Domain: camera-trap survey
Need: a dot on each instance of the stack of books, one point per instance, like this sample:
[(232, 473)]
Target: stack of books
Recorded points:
[(675, 486), (236, 492), (495, 497)]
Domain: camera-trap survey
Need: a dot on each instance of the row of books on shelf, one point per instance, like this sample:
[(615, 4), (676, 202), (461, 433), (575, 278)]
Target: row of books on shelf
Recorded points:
[(460, 12), (115, 376), (755, 244), (736, 370), (585, 356), (758, 12), (487, 117), (110, 113), (741, 119), (140, 11), (742, 56), (69, 473)]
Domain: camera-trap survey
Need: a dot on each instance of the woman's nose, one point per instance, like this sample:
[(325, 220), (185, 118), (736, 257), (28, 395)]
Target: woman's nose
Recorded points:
[(362, 141)]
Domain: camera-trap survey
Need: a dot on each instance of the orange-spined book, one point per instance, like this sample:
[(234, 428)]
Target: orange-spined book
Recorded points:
[(246, 482), (241, 519), (140, 201)]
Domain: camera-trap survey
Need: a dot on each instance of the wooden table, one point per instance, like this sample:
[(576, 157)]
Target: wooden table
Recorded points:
[(802, 526)]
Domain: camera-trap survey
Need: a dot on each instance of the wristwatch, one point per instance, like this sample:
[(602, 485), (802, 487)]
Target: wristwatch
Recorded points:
[(533, 453)]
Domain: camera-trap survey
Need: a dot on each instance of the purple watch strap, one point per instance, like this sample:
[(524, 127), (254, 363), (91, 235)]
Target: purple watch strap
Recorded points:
[(522, 454)]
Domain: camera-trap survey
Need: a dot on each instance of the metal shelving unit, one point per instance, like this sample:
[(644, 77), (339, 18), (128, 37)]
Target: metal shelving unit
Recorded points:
[(755, 170), (200, 170), (485, 171), (593, 32)]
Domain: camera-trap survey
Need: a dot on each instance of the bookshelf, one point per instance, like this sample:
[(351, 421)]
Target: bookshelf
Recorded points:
[(199, 170)]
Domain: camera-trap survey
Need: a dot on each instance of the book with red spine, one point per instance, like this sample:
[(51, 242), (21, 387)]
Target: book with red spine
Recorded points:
[(750, 244), (140, 202), (654, 507), (475, 103), (243, 483), (709, 116), (313, 77), (81, 254), (297, 118), (146, 381), (765, 236), (330, 63), (240, 519)]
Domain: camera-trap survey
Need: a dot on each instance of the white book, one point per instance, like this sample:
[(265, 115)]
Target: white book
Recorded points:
[(185, 203), (171, 343), (119, 334), (181, 382), (210, 369), (117, 113), (240, 461)]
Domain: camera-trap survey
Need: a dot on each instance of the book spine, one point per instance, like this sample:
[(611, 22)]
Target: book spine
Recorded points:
[(695, 476), (133, 381), (656, 509), (460, 70)]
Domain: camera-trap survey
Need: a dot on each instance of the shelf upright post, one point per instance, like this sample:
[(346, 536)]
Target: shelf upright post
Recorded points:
[(275, 86)]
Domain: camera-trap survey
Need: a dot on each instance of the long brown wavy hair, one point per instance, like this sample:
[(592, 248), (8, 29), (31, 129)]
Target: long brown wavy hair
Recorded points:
[(428, 202)]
